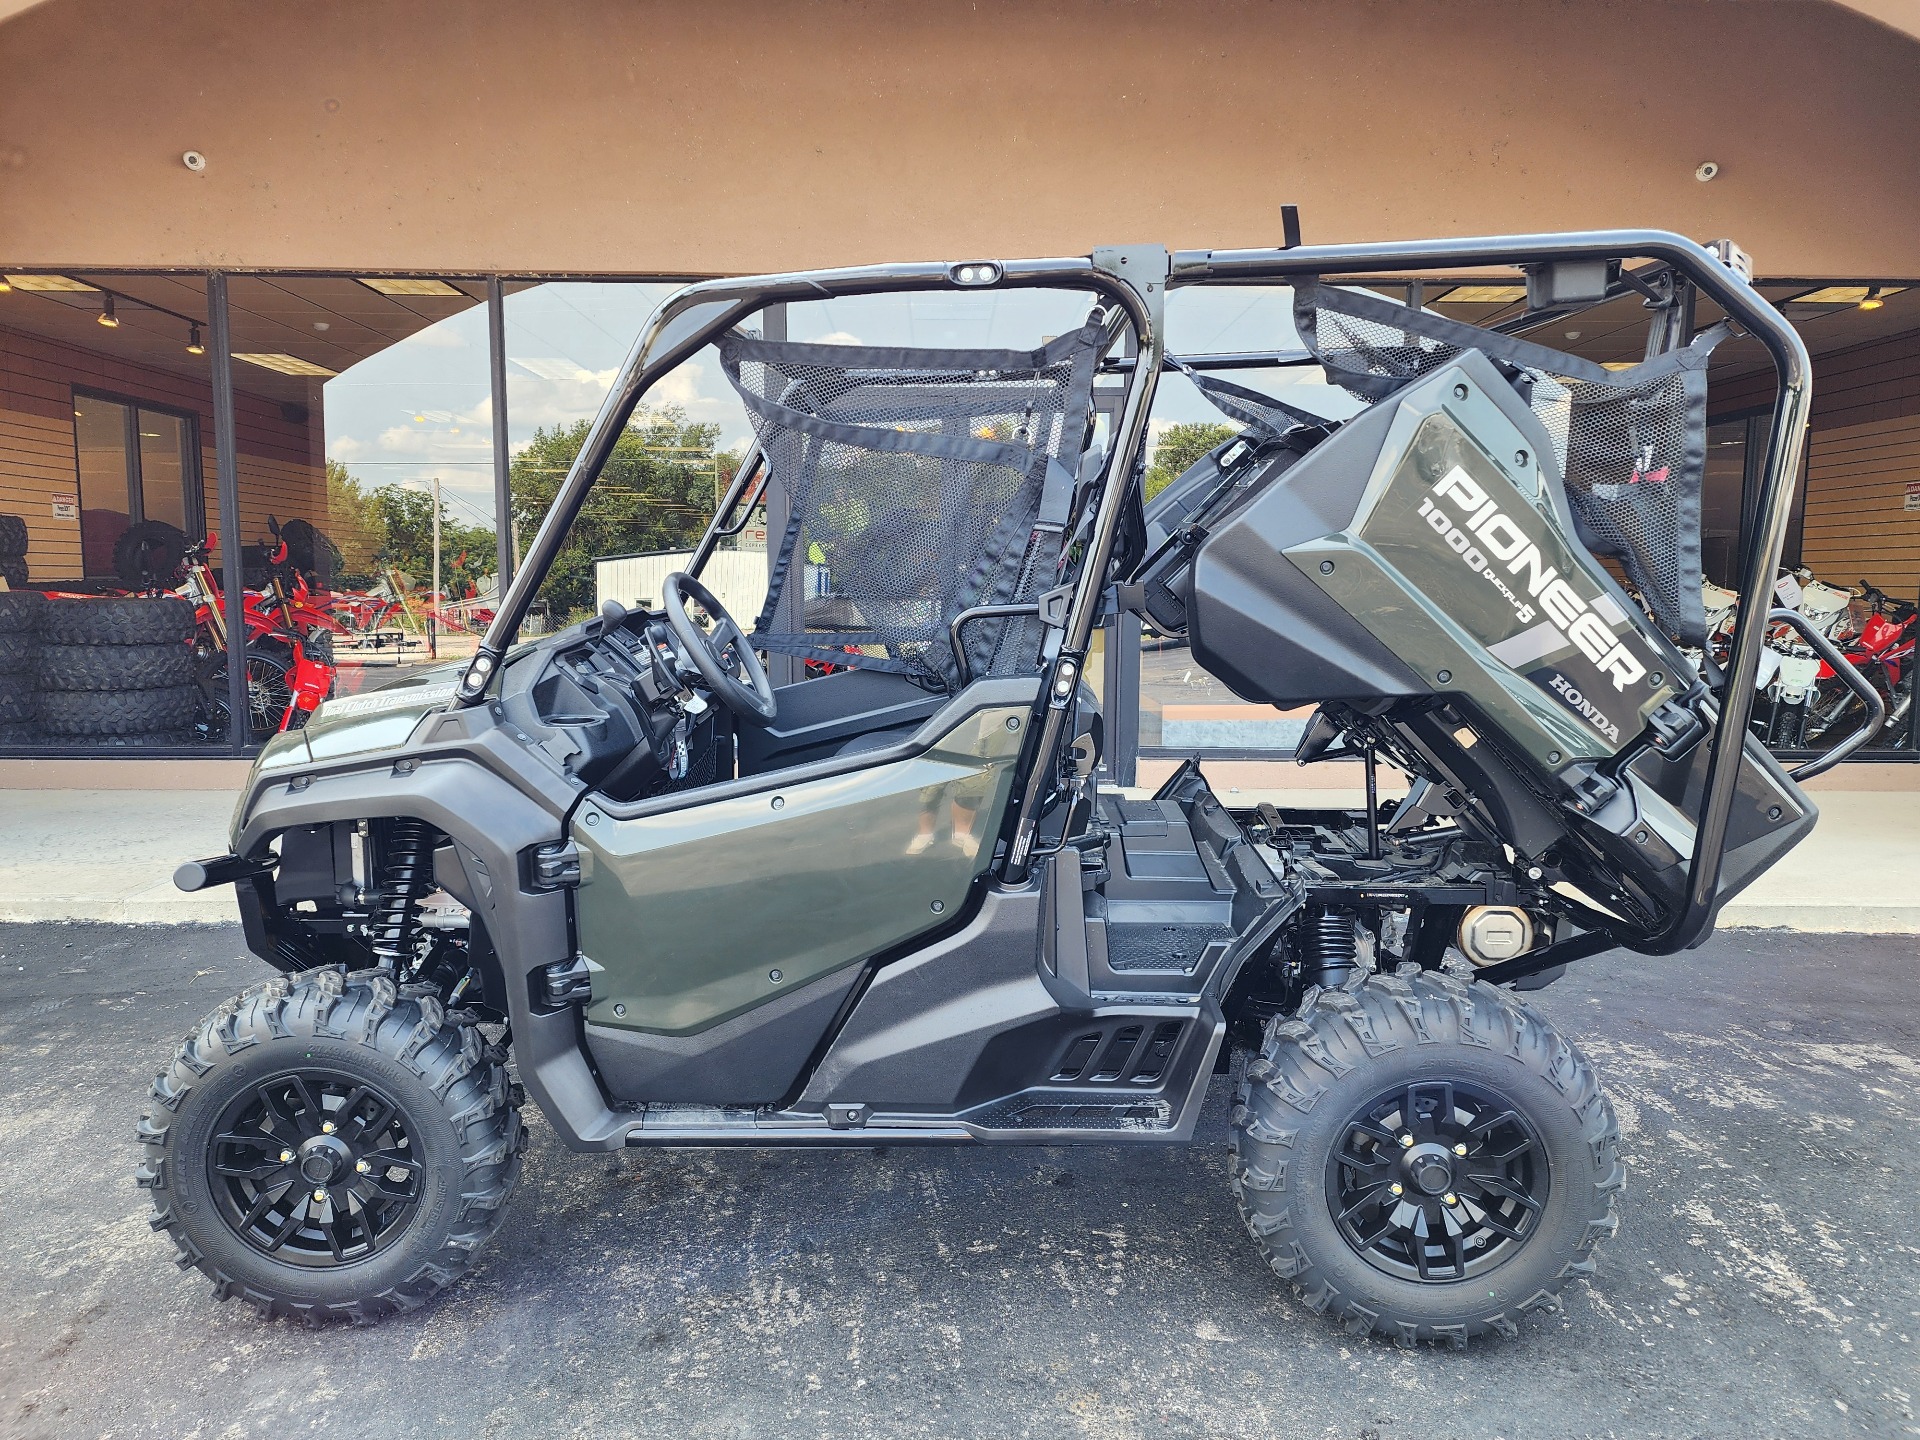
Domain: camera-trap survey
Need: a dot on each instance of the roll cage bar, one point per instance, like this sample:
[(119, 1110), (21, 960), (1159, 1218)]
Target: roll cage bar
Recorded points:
[(1135, 279)]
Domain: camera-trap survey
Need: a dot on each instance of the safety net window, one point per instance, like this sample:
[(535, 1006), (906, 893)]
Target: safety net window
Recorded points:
[(918, 483), (1631, 443)]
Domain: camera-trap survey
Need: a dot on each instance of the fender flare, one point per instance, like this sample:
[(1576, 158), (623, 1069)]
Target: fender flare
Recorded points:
[(529, 929)]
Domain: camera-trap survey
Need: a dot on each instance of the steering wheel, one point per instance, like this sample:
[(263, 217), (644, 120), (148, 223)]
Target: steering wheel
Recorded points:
[(722, 654)]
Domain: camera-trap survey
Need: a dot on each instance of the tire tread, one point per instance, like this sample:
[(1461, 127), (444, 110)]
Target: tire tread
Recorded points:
[(1297, 1064), (451, 1060)]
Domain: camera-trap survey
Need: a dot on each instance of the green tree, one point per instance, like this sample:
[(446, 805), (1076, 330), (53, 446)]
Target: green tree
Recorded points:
[(354, 526), (392, 528), (1179, 446), (657, 492)]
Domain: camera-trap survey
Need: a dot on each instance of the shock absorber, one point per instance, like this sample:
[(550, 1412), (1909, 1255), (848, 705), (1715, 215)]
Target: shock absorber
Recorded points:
[(1330, 951), (406, 876)]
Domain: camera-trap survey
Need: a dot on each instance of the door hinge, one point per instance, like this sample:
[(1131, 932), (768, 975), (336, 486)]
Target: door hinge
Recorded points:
[(565, 981), (554, 866)]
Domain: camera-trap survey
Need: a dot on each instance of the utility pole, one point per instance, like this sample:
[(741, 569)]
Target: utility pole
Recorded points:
[(433, 602)]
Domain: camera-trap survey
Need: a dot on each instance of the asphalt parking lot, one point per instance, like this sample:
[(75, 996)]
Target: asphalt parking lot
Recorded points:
[(1766, 1280)]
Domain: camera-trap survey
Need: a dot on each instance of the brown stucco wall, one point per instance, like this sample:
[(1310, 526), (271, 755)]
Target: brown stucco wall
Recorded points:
[(681, 137)]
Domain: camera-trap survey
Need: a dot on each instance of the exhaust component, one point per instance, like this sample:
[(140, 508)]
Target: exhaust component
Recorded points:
[(1490, 934)]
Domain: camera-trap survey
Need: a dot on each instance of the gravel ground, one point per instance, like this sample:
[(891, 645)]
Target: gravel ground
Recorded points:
[(1766, 1279)]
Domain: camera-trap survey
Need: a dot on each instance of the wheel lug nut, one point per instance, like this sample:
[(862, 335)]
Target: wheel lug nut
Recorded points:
[(1406, 1142), (361, 1166), (326, 1127), (285, 1156), (1459, 1149), (320, 1195), (1396, 1187), (1451, 1198)]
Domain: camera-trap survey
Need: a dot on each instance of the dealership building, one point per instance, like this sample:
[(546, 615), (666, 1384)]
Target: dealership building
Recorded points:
[(276, 264)]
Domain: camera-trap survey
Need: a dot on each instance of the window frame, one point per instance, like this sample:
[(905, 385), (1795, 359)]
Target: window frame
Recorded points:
[(192, 481)]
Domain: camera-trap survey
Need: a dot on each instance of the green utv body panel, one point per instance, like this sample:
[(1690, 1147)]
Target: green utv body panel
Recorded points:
[(354, 725), (1457, 562), (688, 915)]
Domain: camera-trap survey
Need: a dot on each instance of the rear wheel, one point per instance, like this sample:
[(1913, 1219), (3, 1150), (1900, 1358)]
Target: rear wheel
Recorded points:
[(1424, 1156), (325, 1147)]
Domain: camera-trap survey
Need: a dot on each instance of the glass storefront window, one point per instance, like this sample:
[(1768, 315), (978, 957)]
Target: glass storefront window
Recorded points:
[(363, 413), (106, 419)]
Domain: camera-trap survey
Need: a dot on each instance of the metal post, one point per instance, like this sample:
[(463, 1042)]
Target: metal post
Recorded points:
[(503, 545), (792, 614), (227, 461), (433, 597)]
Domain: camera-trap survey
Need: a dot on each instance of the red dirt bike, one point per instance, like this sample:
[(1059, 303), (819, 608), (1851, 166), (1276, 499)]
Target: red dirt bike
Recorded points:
[(285, 684), (1883, 650)]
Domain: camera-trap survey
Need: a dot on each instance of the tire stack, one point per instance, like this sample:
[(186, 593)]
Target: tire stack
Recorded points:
[(13, 551), (117, 671), (20, 612)]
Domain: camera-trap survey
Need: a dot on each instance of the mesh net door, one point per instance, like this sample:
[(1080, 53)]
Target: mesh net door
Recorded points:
[(919, 483)]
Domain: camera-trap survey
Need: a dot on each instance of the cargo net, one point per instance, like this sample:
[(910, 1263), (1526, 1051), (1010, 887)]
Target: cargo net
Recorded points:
[(1631, 443), (918, 484)]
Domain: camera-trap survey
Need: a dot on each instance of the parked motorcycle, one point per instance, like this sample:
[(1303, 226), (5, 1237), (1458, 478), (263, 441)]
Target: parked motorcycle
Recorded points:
[(285, 684)]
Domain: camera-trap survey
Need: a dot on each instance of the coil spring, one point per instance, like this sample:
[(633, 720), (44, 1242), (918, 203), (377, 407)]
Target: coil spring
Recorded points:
[(1330, 949), (406, 877)]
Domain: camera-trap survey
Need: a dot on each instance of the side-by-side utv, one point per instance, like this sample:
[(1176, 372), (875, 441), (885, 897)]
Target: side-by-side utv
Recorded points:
[(620, 870)]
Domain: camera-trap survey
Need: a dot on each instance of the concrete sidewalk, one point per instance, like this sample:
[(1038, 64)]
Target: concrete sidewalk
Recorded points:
[(70, 854)]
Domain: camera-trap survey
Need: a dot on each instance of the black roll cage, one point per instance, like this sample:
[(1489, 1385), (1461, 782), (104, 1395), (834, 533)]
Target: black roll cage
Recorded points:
[(1135, 279)]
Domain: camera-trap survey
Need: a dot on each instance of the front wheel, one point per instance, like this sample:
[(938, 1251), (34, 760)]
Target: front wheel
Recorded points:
[(327, 1148), (1424, 1156)]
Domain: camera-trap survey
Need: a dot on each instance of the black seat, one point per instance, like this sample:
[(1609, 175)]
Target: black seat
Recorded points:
[(836, 714)]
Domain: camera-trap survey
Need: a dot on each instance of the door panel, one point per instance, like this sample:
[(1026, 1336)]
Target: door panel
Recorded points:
[(689, 915)]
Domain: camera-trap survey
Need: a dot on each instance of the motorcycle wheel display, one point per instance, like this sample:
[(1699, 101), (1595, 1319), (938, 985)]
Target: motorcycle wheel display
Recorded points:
[(269, 693)]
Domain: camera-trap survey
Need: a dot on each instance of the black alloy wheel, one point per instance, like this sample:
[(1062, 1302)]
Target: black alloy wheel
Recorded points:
[(315, 1168), (1436, 1181)]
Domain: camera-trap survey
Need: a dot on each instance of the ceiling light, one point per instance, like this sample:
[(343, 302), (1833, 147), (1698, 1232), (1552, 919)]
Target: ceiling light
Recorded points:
[(1872, 300), (411, 287), (1845, 295), (47, 282), (1483, 294), (285, 364), (107, 317), (194, 347), (5, 285)]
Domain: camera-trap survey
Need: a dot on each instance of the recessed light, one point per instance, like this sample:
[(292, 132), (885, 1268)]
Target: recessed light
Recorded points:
[(106, 316), (285, 364), (47, 282), (1483, 294), (1573, 334), (411, 287)]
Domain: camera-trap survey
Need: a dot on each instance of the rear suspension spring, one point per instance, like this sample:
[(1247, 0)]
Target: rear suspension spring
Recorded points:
[(1330, 949), (406, 877)]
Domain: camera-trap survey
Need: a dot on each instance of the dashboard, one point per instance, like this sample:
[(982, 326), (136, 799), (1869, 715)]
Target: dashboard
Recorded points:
[(618, 704)]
